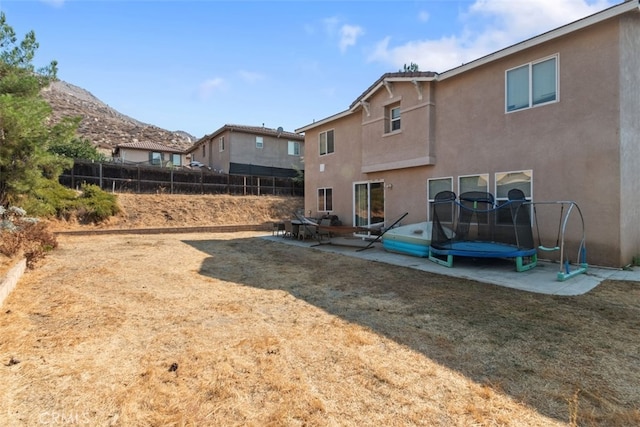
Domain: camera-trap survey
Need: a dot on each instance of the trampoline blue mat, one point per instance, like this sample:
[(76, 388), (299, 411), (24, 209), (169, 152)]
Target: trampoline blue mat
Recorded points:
[(482, 250)]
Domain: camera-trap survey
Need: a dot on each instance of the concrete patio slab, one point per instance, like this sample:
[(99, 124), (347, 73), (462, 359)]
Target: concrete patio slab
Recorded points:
[(541, 279)]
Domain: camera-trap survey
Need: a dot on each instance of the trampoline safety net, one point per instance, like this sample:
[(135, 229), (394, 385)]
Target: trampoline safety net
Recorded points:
[(474, 223)]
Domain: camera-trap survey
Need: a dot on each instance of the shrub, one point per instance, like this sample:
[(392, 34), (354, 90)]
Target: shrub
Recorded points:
[(96, 205), (20, 235)]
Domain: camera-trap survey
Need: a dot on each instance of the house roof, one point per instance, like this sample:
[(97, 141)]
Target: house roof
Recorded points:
[(149, 146), (254, 130), (611, 12)]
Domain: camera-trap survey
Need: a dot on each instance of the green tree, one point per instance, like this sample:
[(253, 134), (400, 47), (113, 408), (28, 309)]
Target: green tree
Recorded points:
[(410, 68), (25, 135), (69, 146)]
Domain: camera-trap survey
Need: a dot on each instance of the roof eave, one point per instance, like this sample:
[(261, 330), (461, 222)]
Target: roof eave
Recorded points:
[(325, 120)]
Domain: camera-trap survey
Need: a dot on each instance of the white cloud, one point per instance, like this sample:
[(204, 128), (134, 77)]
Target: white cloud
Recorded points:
[(423, 16), (489, 25), (349, 35), (210, 86), (250, 76)]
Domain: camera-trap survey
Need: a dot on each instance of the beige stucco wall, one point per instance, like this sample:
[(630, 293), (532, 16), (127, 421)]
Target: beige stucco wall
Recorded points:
[(240, 147), (629, 138), (337, 170), (583, 148), (141, 156), (273, 154), (571, 146)]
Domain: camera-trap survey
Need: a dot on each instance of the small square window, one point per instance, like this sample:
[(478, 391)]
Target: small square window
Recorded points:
[(293, 148)]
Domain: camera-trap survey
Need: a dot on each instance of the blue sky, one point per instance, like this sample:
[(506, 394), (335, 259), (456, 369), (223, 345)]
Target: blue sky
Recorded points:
[(197, 65)]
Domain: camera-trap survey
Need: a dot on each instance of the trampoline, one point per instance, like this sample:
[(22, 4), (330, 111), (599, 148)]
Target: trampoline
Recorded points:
[(473, 225)]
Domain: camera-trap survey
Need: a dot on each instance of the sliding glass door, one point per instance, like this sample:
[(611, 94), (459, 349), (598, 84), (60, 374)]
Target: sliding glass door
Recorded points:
[(368, 203)]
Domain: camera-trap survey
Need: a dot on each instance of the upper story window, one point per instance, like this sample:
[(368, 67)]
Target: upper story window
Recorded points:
[(259, 142), (293, 148), (221, 143), (392, 118), (532, 84), (204, 151), (326, 142)]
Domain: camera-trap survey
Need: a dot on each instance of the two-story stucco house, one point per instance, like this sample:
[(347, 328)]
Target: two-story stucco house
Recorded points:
[(557, 116), (150, 153), (251, 150)]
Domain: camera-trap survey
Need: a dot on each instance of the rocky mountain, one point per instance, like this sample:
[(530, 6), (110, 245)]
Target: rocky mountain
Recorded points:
[(105, 126)]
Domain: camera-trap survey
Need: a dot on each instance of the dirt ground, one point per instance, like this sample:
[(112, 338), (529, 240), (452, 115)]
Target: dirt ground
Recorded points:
[(233, 329)]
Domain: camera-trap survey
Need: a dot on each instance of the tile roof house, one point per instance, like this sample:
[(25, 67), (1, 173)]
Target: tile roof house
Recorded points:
[(557, 115), (149, 153), (251, 150)]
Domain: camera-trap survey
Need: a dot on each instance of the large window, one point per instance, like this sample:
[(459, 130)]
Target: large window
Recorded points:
[(293, 148), (473, 183), (326, 142), (392, 118), (532, 84), (325, 199), (435, 186), (176, 159), (519, 181)]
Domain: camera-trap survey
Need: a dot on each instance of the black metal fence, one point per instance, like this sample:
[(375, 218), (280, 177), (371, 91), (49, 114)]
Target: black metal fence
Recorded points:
[(154, 179)]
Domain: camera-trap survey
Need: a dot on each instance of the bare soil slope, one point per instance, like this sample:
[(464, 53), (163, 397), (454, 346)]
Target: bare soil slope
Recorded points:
[(177, 210)]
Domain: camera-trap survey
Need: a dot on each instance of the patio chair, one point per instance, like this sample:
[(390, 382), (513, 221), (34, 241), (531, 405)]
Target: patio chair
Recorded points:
[(278, 228), (288, 229), (323, 232), (305, 231)]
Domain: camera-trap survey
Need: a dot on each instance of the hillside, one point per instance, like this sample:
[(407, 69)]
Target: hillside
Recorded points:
[(103, 125), (179, 210)]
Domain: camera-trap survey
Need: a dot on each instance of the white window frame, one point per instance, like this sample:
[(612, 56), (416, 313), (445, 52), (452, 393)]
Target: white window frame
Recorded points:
[(392, 120), (221, 144), (325, 201), (293, 148), (503, 196), (431, 197), (530, 70), (324, 145), (259, 142)]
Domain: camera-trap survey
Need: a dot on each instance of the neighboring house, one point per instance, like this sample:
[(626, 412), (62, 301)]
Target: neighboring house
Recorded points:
[(149, 153), (557, 115), (251, 150)]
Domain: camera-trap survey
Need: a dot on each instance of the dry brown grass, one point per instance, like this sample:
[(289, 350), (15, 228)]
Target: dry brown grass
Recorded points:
[(231, 329), (179, 210)]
